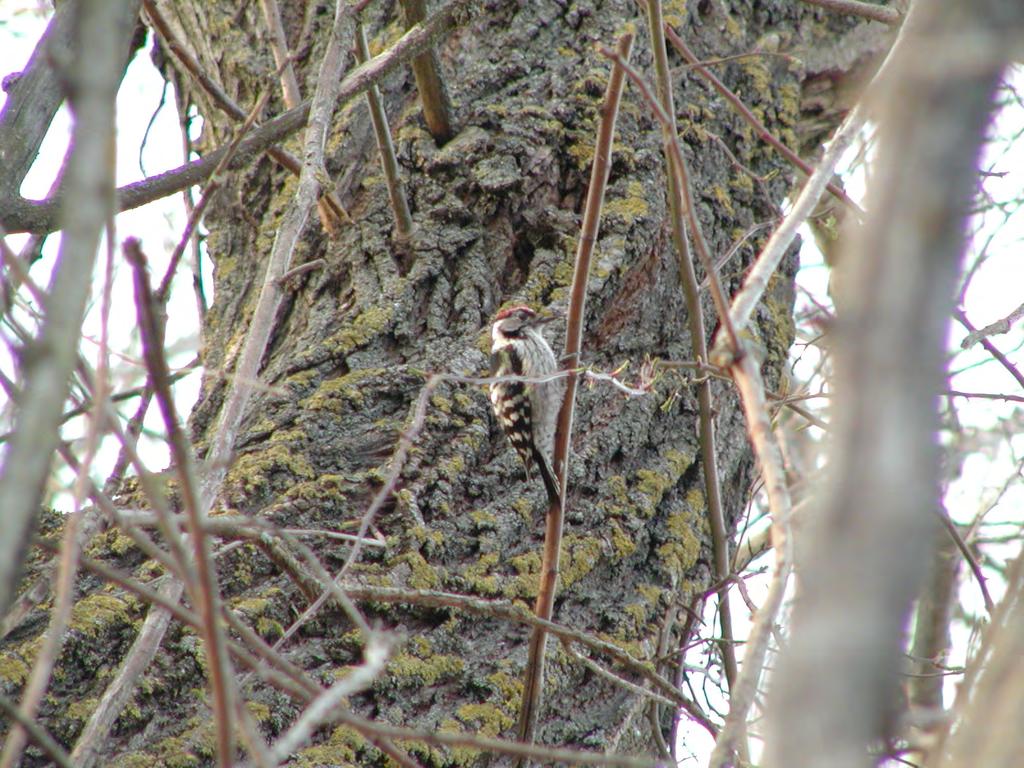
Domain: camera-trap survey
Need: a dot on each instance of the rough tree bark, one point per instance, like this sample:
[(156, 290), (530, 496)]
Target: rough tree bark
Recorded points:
[(496, 213)]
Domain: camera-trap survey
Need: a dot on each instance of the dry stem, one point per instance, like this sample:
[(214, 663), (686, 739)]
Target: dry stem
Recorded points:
[(206, 593), (388, 161), (680, 203), (433, 96), (534, 672)]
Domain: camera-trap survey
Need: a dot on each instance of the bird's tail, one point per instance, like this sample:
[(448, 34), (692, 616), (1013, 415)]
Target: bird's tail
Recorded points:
[(550, 481)]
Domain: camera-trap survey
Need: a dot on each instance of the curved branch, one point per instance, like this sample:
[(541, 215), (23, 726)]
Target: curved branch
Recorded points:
[(20, 215)]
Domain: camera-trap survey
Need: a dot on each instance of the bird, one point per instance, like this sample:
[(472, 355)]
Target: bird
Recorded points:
[(527, 410)]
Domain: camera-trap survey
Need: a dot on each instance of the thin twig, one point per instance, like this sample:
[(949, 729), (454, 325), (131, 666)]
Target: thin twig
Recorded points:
[(734, 249), (397, 463), (153, 492), (177, 561), (216, 180), (282, 57), (533, 675), (755, 409), (206, 596), (753, 545), (607, 674), (871, 11), (37, 733), (388, 161), (252, 739), (20, 215), (679, 176), (125, 394), (375, 656), (547, 755), (680, 202), (170, 562), (293, 681), (991, 348), (982, 696), (968, 555), (245, 527), (147, 641), (768, 260), (611, 378), (1002, 325), (985, 395), (784, 402), (184, 105), (744, 111), (401, 758), (302, 269)]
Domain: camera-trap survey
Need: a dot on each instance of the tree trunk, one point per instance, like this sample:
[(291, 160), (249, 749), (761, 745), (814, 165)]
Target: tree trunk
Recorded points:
[(496, 213)]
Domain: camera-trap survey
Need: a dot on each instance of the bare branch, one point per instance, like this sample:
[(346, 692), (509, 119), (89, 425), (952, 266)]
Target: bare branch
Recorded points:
[(282, 57), (206, 595), (496, 746), (870, 548), (1002, 325), (544, 608), (871, 11), (748, 380), (34, 98), (320, 710), (87, 204), (433, 96), (388, 161), (680, 205), (38, 734), (736, 103), (991, 348), (20, 215), (968, 555)]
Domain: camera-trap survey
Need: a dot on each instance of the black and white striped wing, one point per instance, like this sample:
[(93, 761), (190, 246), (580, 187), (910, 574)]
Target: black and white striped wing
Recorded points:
[(512, 406)]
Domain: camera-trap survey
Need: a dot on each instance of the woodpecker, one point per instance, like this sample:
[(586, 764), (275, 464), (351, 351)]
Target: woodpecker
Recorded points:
[(527, 412)]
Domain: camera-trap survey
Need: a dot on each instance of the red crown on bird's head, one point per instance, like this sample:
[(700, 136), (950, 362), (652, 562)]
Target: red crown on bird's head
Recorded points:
[(519, 309)]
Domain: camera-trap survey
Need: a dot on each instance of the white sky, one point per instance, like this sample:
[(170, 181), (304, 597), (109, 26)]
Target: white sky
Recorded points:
[(158, 225)]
